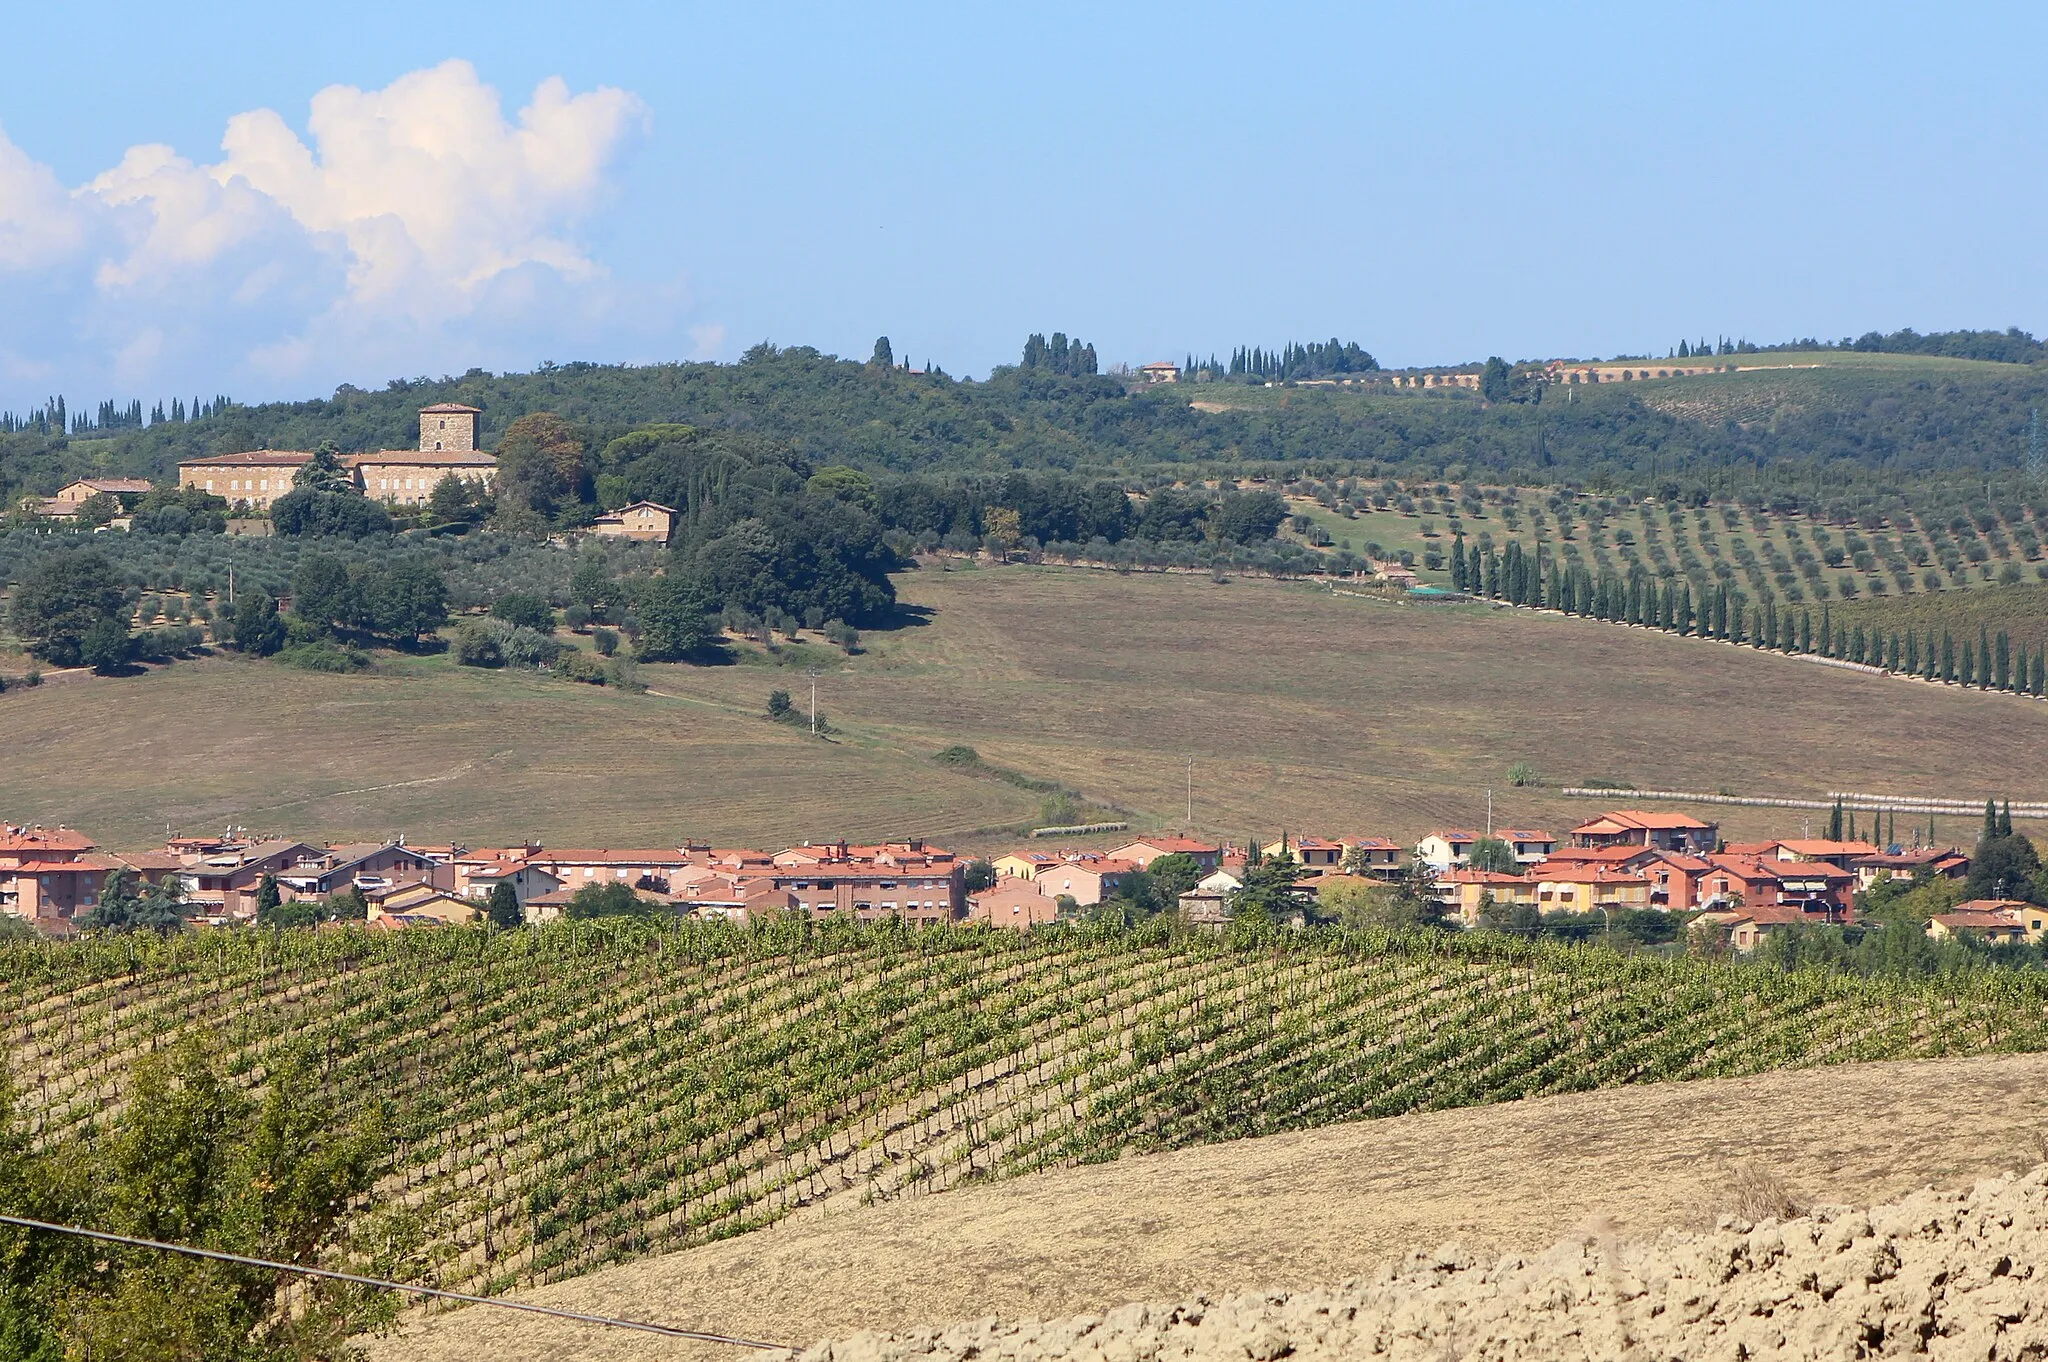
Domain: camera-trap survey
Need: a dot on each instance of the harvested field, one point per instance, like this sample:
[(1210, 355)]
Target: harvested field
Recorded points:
[(1301, 710), (1955, 1274), (1294, 1210)]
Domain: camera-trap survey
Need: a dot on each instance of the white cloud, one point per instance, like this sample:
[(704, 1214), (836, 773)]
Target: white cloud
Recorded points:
[(414, 229)]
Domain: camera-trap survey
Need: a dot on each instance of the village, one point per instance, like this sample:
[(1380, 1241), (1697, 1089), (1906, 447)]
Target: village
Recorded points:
[(54, 878)]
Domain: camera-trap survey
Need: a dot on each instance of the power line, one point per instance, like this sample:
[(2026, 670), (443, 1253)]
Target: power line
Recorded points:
[(669, 1331)]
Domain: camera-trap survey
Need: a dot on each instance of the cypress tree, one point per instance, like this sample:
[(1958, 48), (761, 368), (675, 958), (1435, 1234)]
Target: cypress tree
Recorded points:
[(1827, 633), (1983, 659), (1912, 653), (2001, 666), (1806, 631), (1990, 818), (1685, 609), (1967, 673), (2005, 820), (1856, 645), (1458, 563), (1897, 659), (1769, 637), (1835, 823), (1948, 657), (1852, 825), (2040, 679), (1841, 642)]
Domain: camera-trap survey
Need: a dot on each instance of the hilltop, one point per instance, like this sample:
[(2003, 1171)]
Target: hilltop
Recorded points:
[(1883, 415)]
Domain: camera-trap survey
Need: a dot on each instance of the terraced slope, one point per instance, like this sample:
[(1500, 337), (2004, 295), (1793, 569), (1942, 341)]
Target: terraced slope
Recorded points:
[(582, 1095)]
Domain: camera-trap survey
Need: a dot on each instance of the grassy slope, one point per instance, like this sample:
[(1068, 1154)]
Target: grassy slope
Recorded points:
[(1302, 710)]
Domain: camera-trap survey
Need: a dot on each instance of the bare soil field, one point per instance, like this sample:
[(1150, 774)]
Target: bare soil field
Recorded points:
[(1301, 711), (1294, 1211)]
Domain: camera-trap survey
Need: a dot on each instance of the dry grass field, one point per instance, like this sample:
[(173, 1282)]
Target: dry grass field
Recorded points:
[(1302, 711), (1294, 1210)]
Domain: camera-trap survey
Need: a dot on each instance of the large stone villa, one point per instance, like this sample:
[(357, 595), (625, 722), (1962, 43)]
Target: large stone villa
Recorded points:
[(400, 477)]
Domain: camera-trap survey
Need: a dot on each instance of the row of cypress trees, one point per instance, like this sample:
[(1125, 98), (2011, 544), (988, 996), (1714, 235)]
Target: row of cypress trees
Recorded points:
[(1989, 662)]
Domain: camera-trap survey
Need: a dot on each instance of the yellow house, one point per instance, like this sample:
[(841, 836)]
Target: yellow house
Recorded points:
[(1022, 865)]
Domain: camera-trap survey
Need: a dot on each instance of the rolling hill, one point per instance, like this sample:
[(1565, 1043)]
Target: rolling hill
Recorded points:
[(1301, 710)]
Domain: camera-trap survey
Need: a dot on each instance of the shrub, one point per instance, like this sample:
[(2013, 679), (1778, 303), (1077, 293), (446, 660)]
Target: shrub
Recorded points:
[(324, 655), (605, 640), (1522, 773), (778, 704)]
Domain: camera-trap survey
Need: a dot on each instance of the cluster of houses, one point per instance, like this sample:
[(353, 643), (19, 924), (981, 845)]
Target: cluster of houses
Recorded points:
[(1625, 859)]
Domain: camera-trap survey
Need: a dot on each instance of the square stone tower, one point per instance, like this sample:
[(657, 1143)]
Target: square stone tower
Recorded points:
[(448, 427)]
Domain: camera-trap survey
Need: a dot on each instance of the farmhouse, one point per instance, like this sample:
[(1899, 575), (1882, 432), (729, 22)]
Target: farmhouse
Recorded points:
[(1446, 849), (648, 521)]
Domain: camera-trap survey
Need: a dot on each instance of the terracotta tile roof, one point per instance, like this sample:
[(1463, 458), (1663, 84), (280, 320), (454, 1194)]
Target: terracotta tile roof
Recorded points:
[(1173, 845), (116, 484), (29, 840), (432, 458), (255, 458), (1637, 818)]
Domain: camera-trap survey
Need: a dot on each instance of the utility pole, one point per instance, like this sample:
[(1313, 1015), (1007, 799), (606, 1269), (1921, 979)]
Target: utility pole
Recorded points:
[(1489, 811), (231, 586), (813, 672)]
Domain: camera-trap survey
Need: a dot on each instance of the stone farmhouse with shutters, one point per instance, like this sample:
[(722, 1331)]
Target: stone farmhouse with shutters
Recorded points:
[(396, 477)]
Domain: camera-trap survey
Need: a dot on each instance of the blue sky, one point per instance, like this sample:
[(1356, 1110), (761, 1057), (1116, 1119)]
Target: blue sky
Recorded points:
[(1436, 184)]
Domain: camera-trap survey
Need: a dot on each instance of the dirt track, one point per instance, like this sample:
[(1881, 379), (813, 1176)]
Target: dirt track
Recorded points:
[(1295, 1210)]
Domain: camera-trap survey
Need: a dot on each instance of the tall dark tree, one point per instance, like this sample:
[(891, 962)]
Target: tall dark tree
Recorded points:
[(61, 599)]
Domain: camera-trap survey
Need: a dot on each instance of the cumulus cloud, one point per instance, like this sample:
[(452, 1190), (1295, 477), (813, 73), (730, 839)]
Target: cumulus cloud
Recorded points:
[(415, 228)]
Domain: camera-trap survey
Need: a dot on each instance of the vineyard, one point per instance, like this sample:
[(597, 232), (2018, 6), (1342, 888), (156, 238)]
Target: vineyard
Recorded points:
[(579, 1095)]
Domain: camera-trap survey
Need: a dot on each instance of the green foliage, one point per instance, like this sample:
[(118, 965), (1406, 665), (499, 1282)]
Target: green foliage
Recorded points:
[(1491, 853), (612, 898), (107, 647), (125, 905), (61, 600), (258, 630), (188, 1160), (494, 643), (503, 909), (310, 512), (525, 608), (739, 1036), (675, 618)]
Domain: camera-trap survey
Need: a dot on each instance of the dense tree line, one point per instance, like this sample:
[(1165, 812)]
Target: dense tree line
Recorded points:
[(1991, 661), (830, 411), (1316, 359)]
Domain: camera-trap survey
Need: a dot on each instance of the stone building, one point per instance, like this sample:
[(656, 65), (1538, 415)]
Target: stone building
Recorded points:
[(397, 477)]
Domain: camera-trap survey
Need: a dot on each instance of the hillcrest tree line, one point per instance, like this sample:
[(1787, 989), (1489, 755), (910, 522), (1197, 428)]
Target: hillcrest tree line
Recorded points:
[(1052, 414)]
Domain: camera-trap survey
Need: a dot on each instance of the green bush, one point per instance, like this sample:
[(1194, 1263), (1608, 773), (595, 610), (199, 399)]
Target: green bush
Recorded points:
[(324, 655)]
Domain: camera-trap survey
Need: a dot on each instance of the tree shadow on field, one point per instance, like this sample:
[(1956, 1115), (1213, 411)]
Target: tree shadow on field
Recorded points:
[(906, 617)]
